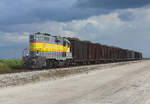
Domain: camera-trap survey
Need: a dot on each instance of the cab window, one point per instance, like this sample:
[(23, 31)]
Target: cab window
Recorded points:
[(32, 38), (64, 43), (46, 38)]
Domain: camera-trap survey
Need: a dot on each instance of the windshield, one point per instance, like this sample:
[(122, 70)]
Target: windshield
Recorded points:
[(32, 38)]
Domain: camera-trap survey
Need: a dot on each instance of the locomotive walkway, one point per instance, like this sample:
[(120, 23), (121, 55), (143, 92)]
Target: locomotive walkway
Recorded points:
[(122, 84)]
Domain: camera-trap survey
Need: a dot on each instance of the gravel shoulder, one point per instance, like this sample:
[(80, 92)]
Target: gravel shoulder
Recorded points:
[(117, 84), (22, 78)]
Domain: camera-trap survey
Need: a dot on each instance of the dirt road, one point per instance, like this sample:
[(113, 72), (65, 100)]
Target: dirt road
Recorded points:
[(125, 84)]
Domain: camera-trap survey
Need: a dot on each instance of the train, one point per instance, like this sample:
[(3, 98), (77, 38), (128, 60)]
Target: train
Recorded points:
[(47, 51)]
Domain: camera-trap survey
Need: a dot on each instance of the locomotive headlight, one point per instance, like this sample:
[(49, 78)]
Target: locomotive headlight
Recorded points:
[(68, 49), (37, 53), (27, 54)]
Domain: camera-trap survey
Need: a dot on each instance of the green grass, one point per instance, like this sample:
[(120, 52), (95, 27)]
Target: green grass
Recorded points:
[(10, 64), (146, 58)]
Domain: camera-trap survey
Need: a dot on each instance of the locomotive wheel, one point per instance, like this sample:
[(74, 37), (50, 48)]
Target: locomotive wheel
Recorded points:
[(55, 64)]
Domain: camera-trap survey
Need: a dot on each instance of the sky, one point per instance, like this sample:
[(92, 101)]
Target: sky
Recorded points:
[(122, 23)]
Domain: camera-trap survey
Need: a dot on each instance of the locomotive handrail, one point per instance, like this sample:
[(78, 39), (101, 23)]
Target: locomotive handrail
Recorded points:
[(23, 54)]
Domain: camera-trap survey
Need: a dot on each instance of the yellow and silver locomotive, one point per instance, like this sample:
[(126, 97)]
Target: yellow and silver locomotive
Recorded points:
[(47, 51)]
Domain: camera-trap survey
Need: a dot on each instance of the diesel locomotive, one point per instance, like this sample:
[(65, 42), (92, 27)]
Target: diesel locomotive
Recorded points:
[(46, 50)]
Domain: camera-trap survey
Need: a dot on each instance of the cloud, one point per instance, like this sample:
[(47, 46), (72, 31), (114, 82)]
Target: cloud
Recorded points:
[(112, 4), (12, 44), (114, 22), (39, 11), (111, 29), (32, 11), (16, 38)]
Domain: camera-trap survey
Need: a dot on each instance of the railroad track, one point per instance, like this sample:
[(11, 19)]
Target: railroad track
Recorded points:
[(60, 68), (21, 77)]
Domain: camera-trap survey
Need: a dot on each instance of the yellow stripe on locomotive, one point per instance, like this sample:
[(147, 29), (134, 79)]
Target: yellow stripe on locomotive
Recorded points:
[(48, 47)]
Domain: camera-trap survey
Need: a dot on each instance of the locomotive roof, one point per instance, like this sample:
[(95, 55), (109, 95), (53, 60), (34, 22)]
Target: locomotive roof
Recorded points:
[(47, 34)]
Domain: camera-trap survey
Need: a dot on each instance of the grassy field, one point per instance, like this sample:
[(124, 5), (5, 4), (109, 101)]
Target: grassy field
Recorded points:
[(10, 64), (146, 58)]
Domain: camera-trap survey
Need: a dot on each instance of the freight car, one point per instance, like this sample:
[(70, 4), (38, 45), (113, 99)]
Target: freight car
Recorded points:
[(55, 51)]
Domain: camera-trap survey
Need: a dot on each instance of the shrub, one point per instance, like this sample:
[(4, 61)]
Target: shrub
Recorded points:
[(10, 64)]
